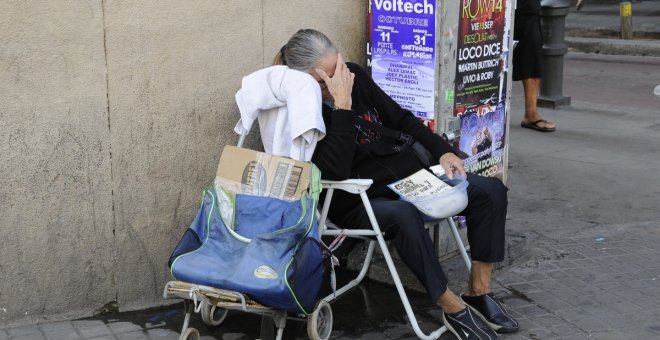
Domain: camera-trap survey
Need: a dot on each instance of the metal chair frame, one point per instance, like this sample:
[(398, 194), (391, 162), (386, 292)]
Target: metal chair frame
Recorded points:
[(359, 187)]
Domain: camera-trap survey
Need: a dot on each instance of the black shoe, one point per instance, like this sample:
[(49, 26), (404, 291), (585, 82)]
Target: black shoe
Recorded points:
[(466, 325), (492, 312)]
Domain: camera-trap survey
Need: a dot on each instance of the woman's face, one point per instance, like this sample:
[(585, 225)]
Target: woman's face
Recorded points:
[(328, 64)]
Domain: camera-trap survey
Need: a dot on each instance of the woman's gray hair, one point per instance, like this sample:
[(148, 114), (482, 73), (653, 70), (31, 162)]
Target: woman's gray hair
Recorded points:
[(304, 50)]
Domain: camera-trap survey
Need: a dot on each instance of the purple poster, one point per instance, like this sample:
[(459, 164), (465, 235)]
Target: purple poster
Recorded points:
[(481, 73), (402, 53)]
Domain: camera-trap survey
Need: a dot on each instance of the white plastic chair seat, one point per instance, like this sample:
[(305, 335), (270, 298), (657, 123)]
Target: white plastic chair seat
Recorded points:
[(354, 186)]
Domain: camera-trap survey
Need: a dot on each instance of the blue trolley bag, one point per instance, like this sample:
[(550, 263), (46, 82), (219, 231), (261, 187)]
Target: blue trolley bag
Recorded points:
[(264, 247)]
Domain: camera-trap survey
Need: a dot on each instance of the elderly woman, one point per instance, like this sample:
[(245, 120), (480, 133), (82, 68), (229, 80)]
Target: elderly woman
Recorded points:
[(347, 152)]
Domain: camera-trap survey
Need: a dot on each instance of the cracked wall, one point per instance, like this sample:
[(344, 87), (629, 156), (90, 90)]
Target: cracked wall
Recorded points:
[(112, 118)]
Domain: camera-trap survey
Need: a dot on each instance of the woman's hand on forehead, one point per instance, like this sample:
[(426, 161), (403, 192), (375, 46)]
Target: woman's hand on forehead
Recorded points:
[(340, 84)]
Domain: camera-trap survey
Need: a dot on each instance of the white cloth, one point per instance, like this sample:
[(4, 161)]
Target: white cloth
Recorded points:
[(287, 104)]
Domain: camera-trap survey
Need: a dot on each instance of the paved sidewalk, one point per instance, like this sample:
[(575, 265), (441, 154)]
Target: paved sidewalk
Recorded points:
[(582, 285), (579, 286), (596, 28), (602, 20)]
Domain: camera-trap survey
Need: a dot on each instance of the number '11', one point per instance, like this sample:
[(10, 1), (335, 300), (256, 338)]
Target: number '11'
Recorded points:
[(385, 36)]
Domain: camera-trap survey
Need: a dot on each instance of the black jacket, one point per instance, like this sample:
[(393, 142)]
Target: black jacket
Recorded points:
[(342, 155)]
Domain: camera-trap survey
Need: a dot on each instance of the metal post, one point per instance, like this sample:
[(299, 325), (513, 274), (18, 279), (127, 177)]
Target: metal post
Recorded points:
[(553, 15), (625, 11)]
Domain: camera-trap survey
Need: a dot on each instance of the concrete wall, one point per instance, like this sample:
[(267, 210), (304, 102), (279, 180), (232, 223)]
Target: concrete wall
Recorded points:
[(112, 118)]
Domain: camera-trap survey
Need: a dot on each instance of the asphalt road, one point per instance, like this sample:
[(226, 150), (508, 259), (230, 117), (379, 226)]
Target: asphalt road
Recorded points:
[(601, 166), (624, 81)]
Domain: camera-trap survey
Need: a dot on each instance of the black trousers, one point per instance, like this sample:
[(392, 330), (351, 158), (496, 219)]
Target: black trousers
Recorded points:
[(528, 54), (403, 225)]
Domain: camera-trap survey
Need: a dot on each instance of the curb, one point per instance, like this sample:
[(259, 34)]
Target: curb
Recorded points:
[(614, 46), (608, 33)]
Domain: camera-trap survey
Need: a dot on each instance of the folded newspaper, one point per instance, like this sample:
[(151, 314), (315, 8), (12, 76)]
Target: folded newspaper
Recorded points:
[(421, 183)]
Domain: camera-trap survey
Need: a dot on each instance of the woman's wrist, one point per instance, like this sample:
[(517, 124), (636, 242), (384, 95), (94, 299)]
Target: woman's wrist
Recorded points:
[(343, 104)]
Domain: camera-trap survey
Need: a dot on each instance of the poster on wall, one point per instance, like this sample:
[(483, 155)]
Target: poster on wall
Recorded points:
[(481, 76), (401, 53)]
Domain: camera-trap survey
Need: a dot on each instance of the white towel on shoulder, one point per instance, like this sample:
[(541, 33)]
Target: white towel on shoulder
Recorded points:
[(287, 104)]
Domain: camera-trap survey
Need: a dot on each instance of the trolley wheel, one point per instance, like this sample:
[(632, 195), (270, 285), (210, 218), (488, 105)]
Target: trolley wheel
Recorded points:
[(213, 315), (189, 334), (319, 323)]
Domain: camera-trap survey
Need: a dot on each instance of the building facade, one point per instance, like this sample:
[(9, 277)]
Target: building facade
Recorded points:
[(113, 115)]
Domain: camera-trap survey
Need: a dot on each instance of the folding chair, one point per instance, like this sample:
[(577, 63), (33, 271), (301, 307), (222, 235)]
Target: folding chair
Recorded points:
[(375, 237)]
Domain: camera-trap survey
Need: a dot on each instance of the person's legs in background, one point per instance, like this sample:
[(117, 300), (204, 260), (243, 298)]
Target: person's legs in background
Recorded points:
[(531, 87), (528, 67)]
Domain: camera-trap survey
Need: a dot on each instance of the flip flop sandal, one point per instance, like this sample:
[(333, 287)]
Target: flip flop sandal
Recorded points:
[(535, 126)]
